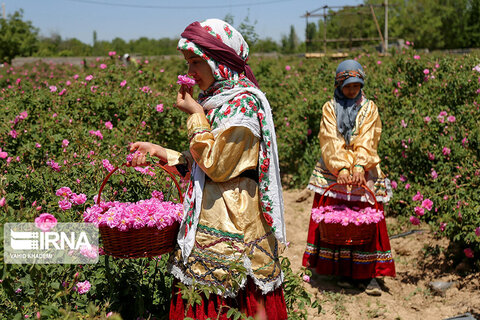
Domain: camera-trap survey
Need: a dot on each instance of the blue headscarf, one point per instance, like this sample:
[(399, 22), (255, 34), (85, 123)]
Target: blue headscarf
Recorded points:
[(349, 71)]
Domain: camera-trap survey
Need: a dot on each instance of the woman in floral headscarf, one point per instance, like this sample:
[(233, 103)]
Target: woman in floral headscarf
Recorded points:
[(349, 134), (233, 209)]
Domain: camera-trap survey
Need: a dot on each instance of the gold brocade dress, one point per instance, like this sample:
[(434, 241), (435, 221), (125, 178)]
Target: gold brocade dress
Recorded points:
[(232, 231), (372, 259), (360, 155)]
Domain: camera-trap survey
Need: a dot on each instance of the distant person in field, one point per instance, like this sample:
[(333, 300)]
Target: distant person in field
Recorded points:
[(233, 217), (349, 135)]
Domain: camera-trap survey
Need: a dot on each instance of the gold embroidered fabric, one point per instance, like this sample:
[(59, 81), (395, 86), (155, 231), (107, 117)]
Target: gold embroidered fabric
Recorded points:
[(231, 229), (362, 152)]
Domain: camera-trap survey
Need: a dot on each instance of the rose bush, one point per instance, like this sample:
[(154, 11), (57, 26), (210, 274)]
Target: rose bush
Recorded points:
[(66, 127)]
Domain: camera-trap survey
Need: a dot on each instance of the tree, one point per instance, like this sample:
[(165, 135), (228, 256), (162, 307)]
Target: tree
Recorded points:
[(247, 30), (290, 43), (17, 37)]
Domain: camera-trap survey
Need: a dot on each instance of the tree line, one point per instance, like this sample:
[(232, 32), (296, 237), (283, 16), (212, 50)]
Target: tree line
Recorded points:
[(430, 24)]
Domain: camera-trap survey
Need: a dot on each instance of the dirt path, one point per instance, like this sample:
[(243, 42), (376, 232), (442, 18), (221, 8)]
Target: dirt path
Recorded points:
[(407, 296)]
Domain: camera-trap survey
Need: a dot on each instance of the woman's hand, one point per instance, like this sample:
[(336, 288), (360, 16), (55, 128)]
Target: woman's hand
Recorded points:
[(185, 101), (358, 178), (141, 149), (344, 177)]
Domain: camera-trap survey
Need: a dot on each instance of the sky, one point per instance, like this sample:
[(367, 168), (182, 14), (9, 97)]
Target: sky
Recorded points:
[(158, 19)]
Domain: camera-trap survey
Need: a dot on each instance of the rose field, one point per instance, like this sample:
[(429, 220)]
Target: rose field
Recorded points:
[(67, 126)]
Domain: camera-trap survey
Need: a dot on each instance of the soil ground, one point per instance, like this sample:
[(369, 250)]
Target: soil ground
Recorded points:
[(419, 259)]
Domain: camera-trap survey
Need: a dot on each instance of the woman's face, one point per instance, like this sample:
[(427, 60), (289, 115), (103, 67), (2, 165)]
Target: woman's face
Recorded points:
[(351, 90), (199, 70)]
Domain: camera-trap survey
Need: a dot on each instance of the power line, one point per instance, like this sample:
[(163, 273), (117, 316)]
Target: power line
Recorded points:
[(140, 6)]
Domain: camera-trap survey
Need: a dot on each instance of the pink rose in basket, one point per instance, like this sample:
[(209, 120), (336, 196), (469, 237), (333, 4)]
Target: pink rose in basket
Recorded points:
[(344, 215), (186, 80), (127, 215)]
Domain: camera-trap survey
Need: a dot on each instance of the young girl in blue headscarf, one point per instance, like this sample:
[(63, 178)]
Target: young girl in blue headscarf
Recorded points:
[(349, 134)]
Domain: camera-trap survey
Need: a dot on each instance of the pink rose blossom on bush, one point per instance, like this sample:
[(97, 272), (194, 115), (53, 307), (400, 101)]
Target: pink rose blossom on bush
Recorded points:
[(403, 123), (78, 199), (63, 192), (306, 278), (414, 220), (83, 287), (287, 67), (394, 184), (427, 119), (451, 118), (426, 71), (419, 211), (407, 186), (107, 165), (446, 151), (416, 57), (442, 226), (55, 166), (45, 222), (434, 174), (417, 197), (96, 133), (112, 53), (37, 145), (109, 125), (64, 204), (3, 202), (89, 251), (65, 143), (89, 77), (123, 83), (159, 107), (103, 66), (186, 80), (468, 252), (3, 154), (427, 204), (53, 88)]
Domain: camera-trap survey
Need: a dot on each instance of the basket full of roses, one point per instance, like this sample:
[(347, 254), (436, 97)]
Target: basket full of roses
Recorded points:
[(144, 228), (344, 225)]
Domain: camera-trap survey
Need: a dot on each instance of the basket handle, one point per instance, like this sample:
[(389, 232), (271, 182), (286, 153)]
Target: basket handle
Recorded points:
[(363, 186), (126, 164)]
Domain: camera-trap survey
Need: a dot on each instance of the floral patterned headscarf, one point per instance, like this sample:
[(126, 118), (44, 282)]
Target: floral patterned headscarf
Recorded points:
[(230, 84)]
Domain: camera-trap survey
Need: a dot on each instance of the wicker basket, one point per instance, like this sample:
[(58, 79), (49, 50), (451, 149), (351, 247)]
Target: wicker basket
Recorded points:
[(143, 242), (337, 234)]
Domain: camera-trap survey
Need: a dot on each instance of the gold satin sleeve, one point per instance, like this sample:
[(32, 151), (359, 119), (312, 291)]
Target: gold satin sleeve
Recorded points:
[(365, 143), (334, 152), (227, 155)]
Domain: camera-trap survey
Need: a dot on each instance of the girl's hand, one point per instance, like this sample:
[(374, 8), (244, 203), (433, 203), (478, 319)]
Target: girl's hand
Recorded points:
[(358, 178), (344, 177), (185, 101), (142, 148)]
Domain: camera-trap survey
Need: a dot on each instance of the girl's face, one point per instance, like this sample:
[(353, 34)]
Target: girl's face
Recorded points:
[(351, 90), (199, 70)]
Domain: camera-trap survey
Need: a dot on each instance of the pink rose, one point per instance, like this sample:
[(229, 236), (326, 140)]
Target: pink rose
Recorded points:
[(306, 278), (64, 204), (414, 220), (64, 192), (78, 199), (109, 125), (287, 67), (45, 222), (468, 252), (417, 197), (427, 204), (2, 202), (159, 107), (83, 287), (446, 151), (186, 80), (419, 211)]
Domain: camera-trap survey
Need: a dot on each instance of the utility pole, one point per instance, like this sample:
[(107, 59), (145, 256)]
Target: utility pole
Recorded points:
[(386, 26), (325, 30)]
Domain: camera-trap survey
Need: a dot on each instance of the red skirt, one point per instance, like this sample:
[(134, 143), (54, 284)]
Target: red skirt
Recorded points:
[(249, 301), (365, 261)]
